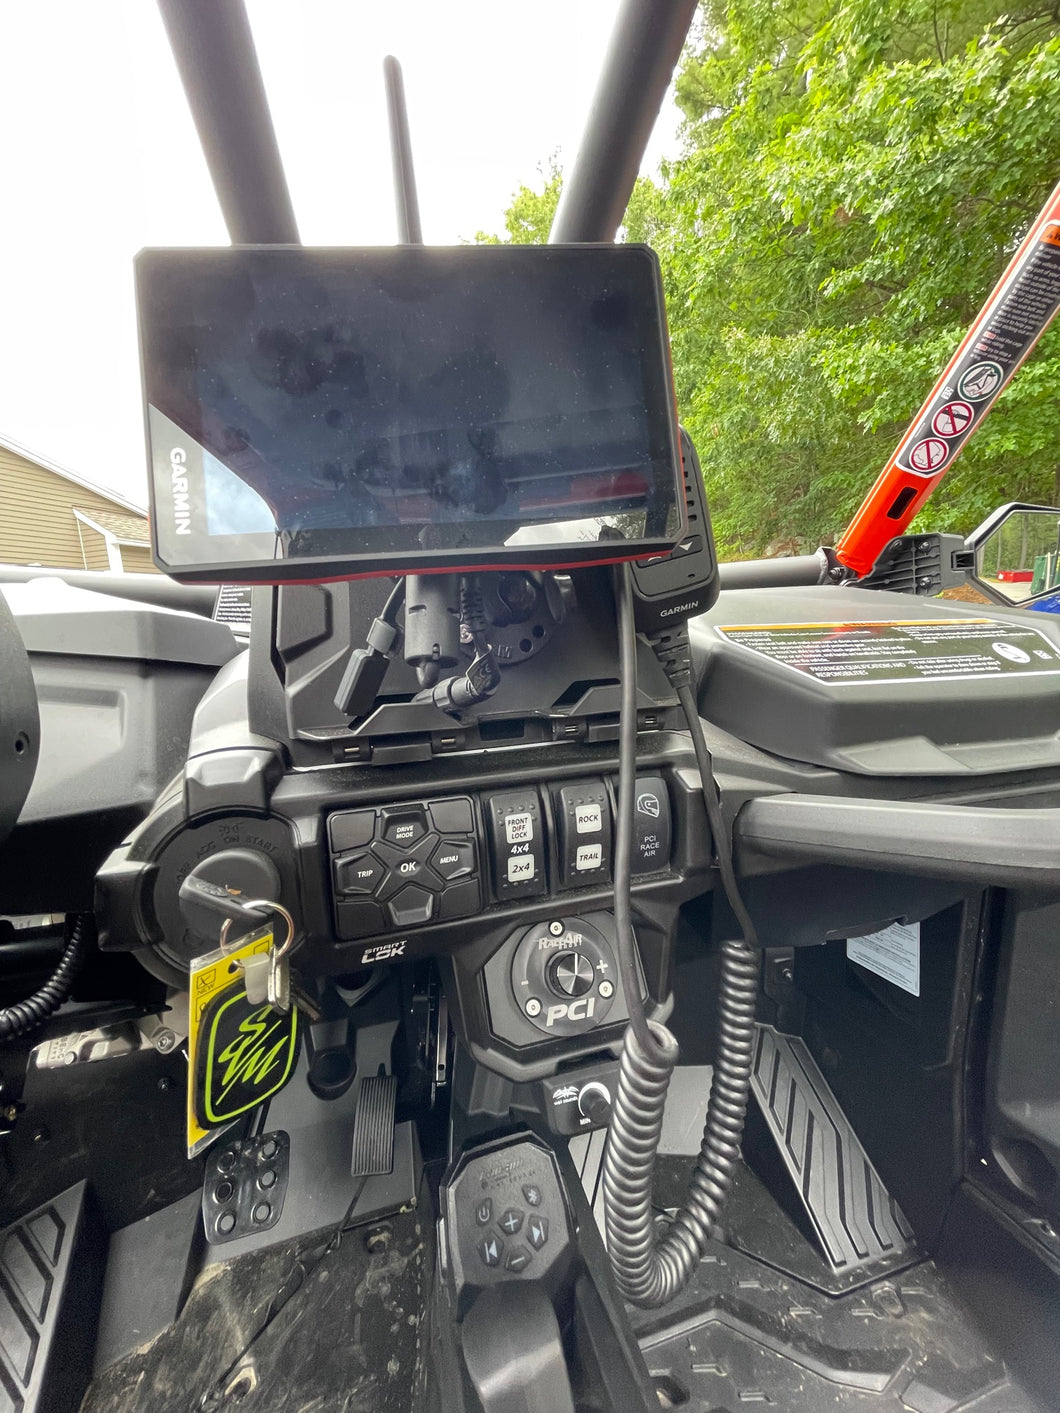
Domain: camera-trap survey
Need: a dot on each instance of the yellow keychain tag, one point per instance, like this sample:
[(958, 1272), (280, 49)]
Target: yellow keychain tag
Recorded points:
[(239, 1053)]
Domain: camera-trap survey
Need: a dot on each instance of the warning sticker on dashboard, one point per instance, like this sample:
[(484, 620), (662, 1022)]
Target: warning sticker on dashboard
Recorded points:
[(893, 953), (924, 651)]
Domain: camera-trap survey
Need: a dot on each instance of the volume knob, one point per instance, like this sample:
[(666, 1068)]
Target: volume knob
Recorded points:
[(594, 1102)]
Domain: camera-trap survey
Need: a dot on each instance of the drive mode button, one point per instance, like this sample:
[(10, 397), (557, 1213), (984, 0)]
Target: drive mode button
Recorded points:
[(404, 827)]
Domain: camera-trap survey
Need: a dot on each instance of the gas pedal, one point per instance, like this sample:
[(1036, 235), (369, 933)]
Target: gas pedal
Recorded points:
[(373, 1126)]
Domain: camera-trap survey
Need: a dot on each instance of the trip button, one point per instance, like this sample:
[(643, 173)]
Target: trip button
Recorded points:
[(453, 860), (410, 907), (358, 875)]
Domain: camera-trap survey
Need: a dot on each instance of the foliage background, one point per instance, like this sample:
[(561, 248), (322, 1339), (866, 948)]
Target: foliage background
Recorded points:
[(854, 178)]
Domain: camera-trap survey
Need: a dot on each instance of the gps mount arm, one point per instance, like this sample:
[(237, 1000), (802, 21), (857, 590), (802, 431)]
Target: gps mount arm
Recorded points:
[(483, 677)]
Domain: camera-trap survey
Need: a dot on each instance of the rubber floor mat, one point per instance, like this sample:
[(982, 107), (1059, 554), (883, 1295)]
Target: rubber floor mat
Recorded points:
[(350, 1341), (746, 1334)]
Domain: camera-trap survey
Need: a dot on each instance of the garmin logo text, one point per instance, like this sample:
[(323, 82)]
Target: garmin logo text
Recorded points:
[(688, 607), (181, 504)]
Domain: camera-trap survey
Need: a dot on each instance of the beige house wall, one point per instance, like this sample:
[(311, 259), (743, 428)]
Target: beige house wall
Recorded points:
[(38, 525)]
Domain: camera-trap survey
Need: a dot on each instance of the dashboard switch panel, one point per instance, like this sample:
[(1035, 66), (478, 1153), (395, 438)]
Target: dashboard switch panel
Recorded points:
[(399, 866), (517, 843), (404, 866), (583, 826)]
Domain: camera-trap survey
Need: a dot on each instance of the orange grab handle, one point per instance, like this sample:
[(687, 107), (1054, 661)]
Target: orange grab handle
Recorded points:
[(1020, 309)]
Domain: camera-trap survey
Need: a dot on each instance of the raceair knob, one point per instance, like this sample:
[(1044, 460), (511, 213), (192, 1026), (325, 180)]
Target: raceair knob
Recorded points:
[(571, 974)]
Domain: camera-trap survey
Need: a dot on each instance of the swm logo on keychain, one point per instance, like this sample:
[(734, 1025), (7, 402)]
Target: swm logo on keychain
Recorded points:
[(243, 1037)]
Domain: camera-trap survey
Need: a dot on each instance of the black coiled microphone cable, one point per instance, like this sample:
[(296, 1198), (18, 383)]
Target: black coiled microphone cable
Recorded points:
[(651, 1272), (22, 1017)]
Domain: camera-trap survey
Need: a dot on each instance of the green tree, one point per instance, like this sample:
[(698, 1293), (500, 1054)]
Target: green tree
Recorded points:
[(854, 179), (528, 219)]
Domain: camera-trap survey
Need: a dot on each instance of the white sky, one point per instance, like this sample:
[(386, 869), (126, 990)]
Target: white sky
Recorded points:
[(99, 158)]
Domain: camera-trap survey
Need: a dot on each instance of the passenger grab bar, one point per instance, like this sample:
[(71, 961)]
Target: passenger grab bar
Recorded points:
[(980, 843)]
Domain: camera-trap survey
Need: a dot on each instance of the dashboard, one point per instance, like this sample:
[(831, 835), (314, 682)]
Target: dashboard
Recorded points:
[(503, 873), (488, 851)]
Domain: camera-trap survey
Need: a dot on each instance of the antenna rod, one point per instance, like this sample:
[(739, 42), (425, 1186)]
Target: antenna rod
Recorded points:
[(218, 65), (645, 45), (410, 231)]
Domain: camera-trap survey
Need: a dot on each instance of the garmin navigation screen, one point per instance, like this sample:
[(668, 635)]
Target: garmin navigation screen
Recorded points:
[(318, 414)]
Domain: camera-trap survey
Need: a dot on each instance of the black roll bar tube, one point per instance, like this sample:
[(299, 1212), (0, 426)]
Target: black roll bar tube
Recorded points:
[(218, 65), (644, 48)]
